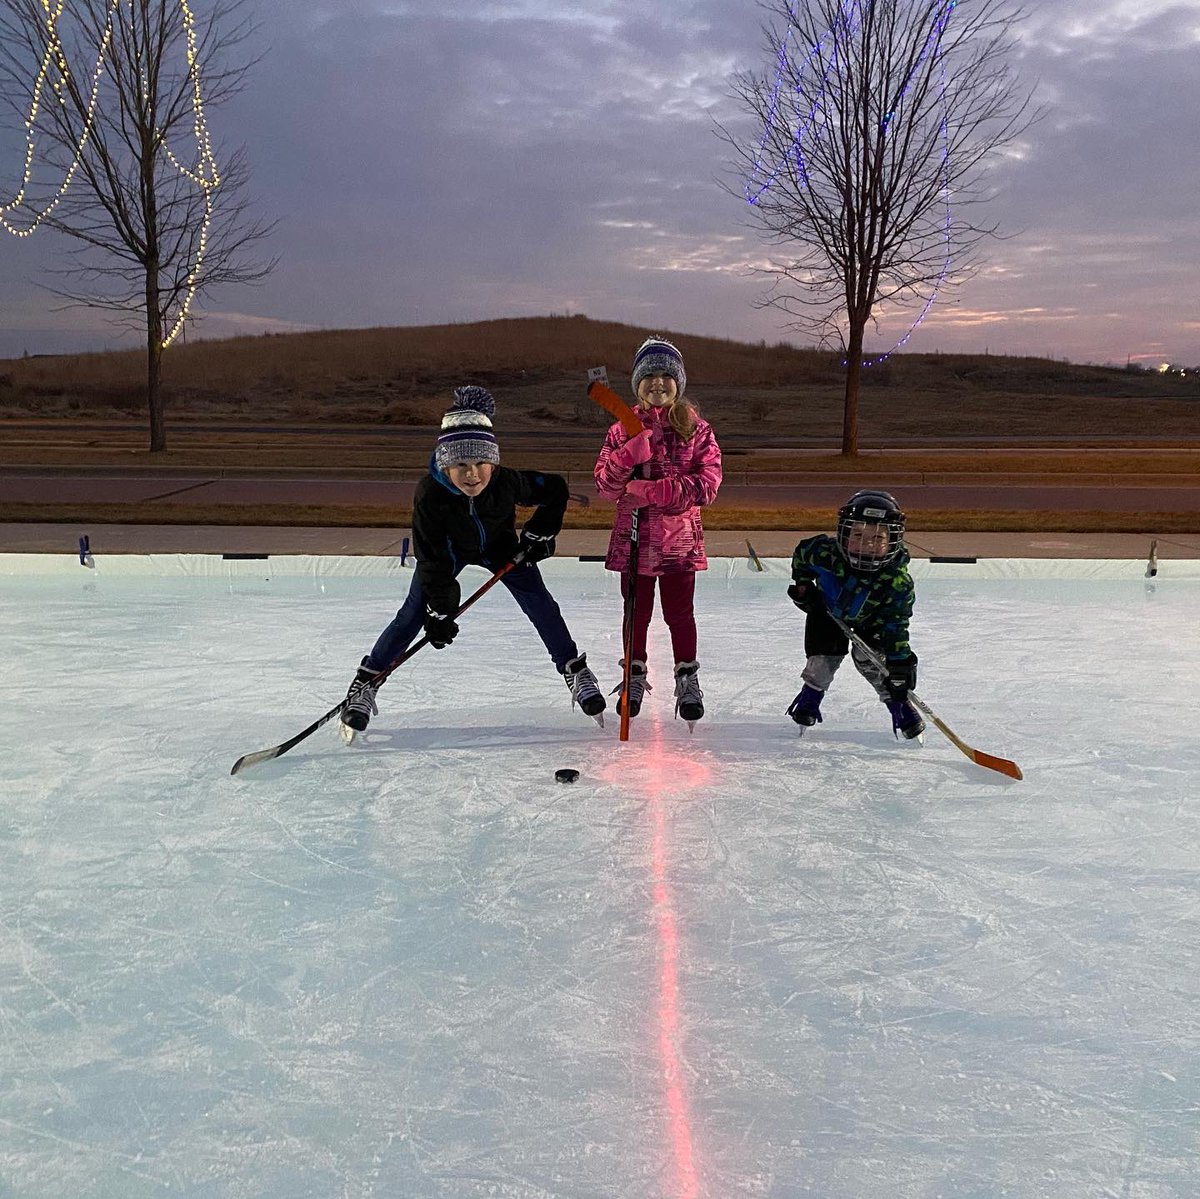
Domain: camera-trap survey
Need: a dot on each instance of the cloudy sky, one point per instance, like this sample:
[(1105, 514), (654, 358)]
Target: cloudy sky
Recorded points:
[(445, 160)]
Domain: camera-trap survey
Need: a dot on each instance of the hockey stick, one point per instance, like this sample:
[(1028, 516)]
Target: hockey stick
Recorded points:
[(630, 616), (990, 761), (265, 755), (612, 403), (602, 394)]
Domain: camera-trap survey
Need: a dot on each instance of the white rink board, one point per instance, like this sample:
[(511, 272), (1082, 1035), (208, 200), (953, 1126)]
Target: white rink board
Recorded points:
[(359, 566)]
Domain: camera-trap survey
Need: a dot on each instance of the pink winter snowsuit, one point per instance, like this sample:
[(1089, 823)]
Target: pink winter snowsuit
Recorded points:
[(671, 537)]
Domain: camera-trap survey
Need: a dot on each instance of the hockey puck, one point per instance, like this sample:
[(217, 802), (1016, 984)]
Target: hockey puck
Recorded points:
[(566, 775)]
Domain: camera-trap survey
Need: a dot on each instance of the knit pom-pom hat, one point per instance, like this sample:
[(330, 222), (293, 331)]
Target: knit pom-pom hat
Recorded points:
[(466, 434), (658, 357)]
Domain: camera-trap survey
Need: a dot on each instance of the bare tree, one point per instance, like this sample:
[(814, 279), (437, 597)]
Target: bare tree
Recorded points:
[(112, 97), (873, 132)]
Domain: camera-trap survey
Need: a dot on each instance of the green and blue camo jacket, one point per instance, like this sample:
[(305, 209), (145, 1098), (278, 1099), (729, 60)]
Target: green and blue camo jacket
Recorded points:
[(877, 606)]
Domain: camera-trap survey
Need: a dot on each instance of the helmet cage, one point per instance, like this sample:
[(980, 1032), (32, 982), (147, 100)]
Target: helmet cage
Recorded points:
[(870, 530)]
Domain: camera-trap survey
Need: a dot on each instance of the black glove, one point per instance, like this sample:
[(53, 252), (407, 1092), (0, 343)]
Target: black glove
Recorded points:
[(901, 676), (440, 630), (536, 546), (806, 596)]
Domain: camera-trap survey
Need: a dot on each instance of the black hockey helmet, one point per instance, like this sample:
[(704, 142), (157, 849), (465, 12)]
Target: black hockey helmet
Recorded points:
[(875, 522)]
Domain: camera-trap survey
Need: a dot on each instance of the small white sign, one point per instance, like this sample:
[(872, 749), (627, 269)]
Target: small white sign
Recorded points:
[(598, 374)]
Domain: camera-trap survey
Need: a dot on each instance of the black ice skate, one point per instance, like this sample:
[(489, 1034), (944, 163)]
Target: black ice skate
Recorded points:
[(906, 720), (637, 689), (688, 696), (360, 703), (584, 690)]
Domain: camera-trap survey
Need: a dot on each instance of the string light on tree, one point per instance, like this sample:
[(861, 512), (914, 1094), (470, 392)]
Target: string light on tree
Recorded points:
[(207, 178), (54, 70), (54, 57), (811, 79)]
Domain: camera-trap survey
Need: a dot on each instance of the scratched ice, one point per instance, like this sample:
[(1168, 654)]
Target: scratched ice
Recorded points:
[(738, 963)]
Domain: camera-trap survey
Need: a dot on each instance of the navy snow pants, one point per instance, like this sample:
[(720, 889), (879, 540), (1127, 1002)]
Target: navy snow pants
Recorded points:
[(525, 584)]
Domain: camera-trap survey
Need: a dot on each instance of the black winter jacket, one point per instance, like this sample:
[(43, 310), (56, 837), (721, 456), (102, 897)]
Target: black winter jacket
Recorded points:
[(451, 530)]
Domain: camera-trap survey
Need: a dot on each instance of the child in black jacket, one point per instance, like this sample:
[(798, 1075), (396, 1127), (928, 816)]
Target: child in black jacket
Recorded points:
[(464, 513)]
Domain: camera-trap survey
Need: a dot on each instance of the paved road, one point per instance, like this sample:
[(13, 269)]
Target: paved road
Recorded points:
[(589, 437), (818, 491)]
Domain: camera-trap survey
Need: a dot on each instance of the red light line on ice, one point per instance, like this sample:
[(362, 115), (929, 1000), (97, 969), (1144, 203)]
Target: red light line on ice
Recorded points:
[(663, 780)]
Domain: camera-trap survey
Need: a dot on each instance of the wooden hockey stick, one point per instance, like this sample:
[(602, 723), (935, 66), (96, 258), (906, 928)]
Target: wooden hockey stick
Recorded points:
[(599, 391), (990, 761), (276, 751)]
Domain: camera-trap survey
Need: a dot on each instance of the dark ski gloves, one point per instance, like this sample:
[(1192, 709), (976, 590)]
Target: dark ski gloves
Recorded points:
[(806, 597), (440, 630), (536, 546), (902, 676)]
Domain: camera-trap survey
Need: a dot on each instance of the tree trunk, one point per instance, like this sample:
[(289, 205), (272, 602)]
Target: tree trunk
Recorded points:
[(853, 375), (154, 399), (158, 429)]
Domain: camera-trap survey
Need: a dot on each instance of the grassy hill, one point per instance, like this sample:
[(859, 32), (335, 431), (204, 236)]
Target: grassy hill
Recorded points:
[(536, 367)]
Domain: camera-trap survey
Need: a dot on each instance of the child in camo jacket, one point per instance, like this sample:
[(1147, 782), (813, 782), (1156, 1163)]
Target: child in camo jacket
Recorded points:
[(861, 577)]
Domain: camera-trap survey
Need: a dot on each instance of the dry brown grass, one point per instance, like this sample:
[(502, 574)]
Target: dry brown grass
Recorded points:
[(717, 518), (406, 451), (499, 349), (402, 377)]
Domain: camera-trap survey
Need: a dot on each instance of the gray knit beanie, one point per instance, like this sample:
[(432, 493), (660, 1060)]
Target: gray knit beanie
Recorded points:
[(466, 434), (658, 357)]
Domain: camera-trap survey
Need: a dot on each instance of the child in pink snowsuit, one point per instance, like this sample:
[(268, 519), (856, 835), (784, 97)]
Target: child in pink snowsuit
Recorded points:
[(668, 471)]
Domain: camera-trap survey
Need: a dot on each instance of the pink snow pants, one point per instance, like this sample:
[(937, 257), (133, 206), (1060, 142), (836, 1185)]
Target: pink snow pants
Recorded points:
[(677, 592)]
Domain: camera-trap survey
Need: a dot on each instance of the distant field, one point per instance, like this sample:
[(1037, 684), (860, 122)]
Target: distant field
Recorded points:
[(370, 401)]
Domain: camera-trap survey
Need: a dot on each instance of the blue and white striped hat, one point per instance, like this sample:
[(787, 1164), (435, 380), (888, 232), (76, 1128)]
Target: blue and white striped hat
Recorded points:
[(466, 434), (656, 356)]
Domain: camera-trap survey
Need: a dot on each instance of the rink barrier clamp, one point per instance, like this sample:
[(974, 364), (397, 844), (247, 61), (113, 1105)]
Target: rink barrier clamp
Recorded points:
[(244, 557)]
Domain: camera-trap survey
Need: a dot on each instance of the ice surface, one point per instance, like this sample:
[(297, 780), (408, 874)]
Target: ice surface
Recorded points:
[(739, 963)]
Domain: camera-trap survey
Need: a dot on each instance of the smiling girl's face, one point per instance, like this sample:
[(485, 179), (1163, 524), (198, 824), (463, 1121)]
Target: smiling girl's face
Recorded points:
[(657, 390)]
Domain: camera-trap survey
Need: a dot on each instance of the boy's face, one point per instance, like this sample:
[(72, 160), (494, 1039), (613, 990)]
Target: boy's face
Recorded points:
[(470, 477), (867, 540), (657, 390)]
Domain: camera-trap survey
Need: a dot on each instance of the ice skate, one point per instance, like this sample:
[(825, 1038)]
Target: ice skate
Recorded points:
[(585, 692), (688, 696), (360, 704), (637, 689), (906, 721), (805, 709)]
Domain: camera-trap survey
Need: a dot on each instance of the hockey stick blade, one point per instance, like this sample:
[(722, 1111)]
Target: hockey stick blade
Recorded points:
[(988, 761), (265, 755), (616, 407)]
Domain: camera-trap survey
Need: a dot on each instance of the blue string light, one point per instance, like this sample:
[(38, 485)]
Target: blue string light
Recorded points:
[(797, 141), (846, 26)]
